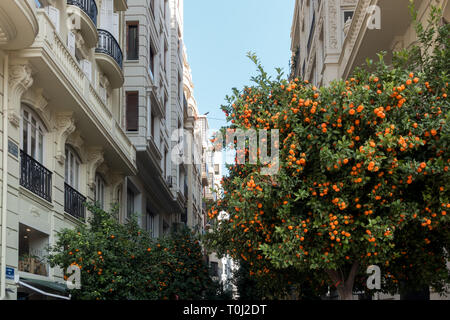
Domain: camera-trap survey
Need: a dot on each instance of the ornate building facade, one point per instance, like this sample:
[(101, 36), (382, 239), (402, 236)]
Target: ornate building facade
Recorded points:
[(330, 38), (64, 143)]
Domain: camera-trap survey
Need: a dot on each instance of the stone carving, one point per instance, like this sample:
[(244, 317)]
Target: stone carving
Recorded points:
[(332, 21), (35, 98), (94, 160), (65, 125), (20, 80), (35, 212), (76, 141)]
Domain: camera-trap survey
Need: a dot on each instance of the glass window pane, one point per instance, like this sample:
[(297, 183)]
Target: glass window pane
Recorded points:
[(75, 173), (41, 148), (66, 173), (71, 169), (33, 142), (25, 136)]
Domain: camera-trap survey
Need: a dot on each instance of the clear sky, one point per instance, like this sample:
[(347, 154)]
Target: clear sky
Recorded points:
[(219, 33)]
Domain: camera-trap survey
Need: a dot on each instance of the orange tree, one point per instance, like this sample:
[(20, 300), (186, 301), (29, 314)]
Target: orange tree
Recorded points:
[(122, 261), (363, 174)]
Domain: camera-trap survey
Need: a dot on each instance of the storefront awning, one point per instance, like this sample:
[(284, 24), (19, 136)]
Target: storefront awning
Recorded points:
[(35, 285)]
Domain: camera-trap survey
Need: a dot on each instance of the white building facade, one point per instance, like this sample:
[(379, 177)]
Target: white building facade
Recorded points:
[(63, 141)]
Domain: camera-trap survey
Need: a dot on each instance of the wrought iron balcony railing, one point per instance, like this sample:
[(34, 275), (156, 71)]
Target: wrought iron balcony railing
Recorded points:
[(88, 6), (74, 202), (35, 177), (107, 44)]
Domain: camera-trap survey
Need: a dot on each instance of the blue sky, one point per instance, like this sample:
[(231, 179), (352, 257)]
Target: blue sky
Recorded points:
[(218, 34)]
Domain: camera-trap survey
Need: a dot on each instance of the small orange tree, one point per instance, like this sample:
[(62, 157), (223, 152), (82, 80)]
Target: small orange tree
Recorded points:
[(363, 174), (122, 261)]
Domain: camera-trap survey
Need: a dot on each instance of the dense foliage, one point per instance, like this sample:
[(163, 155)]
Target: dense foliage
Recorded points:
[(122, 261), (363, 179)]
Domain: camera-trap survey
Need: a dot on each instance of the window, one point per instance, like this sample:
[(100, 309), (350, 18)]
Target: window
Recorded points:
[(347, 15), (72, 168), (133, 40), (54, 16), (150, 223), (32, 138), (100, 191), (180, 86), (152, 125), (152, 7), (119, 201), (165, 161), (214, 269), (132, 110), (130, 203), (151, 57), (109, 20), (32, 250), (216, 169), (166, 56), (165, 9)]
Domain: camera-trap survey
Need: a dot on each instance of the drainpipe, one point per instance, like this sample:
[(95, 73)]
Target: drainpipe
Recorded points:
[(4, 175)]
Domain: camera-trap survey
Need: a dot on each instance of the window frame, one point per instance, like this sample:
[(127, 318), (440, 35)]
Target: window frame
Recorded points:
[(130, 204), (133, 24), (100, 186), (135, 128), (74, 179), (39, 128)]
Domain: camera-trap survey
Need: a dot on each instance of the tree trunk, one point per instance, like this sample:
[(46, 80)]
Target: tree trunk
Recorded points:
[(344, 286)]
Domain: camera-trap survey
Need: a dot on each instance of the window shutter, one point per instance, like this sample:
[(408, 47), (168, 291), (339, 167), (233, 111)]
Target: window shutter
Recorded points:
[(103, 93), (106, 15), (71, 42), (132, 111), (115, 26), (86, 66), (53, 14)]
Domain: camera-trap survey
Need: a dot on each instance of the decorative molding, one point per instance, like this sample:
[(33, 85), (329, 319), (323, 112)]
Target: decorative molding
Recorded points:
[(35, 212), (95, 159), (76, 141), (35, 98), (20, 80), (103, 169), (65, 125), (8, 29), (332, 22), (115, 180), (354, 30)]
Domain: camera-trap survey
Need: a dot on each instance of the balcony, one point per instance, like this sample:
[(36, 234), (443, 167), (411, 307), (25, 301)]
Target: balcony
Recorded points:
[(74, 202), (60, 75), (85, 12), (109, 56), (35, 177), (362, 42), (18, 24)]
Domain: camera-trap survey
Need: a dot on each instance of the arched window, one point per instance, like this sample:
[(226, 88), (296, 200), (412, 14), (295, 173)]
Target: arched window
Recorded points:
[(32, 134), (99, 191), (72, 168)]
